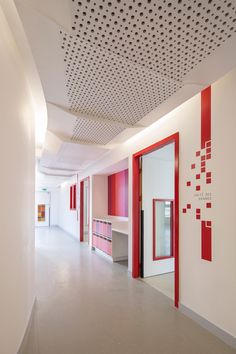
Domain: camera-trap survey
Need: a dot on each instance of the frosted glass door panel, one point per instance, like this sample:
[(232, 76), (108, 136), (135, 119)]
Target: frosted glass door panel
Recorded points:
[(162, 228)]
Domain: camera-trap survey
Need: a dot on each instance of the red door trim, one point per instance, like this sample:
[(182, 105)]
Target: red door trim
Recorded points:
[(136, 209), (71, 197), (81, 216)]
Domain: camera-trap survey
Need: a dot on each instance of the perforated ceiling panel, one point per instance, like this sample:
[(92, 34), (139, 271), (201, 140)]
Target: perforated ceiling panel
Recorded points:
[(95, 132), (125, 58), (104, 84)]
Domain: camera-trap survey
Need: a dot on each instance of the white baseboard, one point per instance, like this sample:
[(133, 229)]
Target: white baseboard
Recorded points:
[(24, 347), (217, 331)]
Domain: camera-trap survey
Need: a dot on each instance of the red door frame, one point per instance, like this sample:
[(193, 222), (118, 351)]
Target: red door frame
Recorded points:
[(136, 209), (82, 208)]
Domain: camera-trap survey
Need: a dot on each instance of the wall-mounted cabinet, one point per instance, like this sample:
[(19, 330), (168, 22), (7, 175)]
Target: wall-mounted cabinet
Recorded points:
[(111, 238), (102, 236)]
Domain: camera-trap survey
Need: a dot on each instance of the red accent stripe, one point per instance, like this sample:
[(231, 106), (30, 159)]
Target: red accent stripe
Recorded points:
[(126, 181), (206, 242), (71, 199), (205, 116)]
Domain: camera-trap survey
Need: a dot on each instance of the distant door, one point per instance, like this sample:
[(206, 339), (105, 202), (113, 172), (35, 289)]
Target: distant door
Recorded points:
[(84, 210), (157, 210), (155, 216), (42, 215)]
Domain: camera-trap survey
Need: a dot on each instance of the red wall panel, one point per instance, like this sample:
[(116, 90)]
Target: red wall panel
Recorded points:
[(205, 116), (118, 194), (74, 196), (71, 198), (206, 241)]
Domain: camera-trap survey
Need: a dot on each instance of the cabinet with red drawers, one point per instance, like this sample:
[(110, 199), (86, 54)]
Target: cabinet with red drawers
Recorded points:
[(102, 236)]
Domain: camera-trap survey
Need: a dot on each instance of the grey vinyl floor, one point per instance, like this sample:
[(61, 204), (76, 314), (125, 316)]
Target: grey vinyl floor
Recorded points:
[(86, 305), (163, 283)]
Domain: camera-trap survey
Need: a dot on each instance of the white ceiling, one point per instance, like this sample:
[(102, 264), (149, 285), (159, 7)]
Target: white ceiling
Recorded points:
[(71, 157), (117, 167), (44, 181), (110, 68)]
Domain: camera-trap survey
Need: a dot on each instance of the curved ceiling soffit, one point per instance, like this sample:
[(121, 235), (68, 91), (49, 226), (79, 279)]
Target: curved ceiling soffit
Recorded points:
[(35, 86), (98, 41)]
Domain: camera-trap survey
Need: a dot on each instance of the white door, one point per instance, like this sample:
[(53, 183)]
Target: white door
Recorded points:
[(157, 193)]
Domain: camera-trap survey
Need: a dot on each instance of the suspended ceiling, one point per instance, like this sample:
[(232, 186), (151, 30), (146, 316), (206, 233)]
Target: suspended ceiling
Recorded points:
[(110, 68)]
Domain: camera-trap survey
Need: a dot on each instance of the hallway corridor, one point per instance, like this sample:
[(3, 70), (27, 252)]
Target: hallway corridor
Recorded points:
[(86, 305)]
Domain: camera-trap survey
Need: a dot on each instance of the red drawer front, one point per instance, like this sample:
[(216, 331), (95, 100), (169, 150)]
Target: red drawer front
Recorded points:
[(102, 244), (99, 242), (109, 248), (109, 230)]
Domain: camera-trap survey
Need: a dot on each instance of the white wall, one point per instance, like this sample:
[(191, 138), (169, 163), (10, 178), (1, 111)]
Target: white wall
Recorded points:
[(99, 196), (60, 214), (54, 218), (208, 288), (17, 149), (67, 219)]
